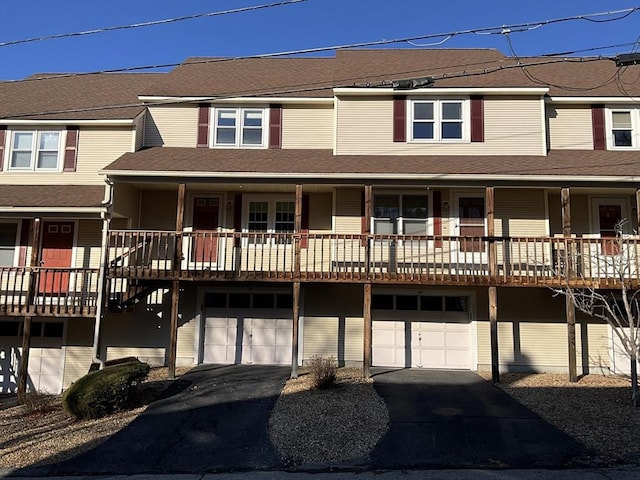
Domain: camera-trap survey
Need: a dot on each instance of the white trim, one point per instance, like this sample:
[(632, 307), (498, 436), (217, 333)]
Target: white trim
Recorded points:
[(397, 192), (239, 127), (159, 100), (440, 91), (590, 100), (634, 114), (35, 148), (543, 127), (437, 121), (595, 201), (63, 123)]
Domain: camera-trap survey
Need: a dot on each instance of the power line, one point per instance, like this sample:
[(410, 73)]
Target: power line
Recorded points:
[(498, 29), (150, 23)]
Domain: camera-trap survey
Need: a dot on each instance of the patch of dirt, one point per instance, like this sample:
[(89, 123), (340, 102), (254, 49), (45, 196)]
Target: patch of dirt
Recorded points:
[(596, 410), (33, 435), (334, 425)]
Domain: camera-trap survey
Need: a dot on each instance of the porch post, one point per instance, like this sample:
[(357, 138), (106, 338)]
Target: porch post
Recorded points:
[(295, 337), (368, 331), (23, 369), (638, 208), (368, 206), (175, 286), (297, 229), (493, 291), (570, 309)]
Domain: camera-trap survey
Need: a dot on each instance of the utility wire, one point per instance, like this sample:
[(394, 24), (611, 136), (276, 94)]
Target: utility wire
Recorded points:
[(498, 29), (151, 23)]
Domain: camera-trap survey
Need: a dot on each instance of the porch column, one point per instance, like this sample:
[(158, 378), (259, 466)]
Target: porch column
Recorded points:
[(368, 331), (493, 291), (368, 210), (23, 369), (570, 309), (295, 332), (175, 286)]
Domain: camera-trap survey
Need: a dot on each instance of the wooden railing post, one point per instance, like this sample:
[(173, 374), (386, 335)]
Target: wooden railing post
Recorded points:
[(368, 210), (175, 286), (570, 308)]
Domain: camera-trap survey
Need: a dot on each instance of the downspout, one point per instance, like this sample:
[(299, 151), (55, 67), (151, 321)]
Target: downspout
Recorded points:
[(104, 249)]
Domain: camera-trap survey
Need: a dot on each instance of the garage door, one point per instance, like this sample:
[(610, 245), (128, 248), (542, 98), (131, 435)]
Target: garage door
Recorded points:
[(45, 356), (421, 331), (247, 328)]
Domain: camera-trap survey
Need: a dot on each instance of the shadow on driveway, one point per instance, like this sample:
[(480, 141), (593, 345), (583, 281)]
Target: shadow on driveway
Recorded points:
[(214, 418), (457, 419)]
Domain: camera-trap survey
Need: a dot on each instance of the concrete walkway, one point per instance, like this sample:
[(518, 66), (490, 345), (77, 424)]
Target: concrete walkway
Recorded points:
[(456, 419)]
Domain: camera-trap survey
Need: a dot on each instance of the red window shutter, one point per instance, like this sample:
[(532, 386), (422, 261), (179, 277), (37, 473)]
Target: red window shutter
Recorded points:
[(477, 118), (25, 230), (399, 119), (304, 227), (3, 136), (275, 126), (437, 217), (71, 150), (203, 126), (237, 216), (599, 134)]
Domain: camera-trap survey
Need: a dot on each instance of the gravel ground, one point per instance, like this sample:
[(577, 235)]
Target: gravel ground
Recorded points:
[(596, 410), (334, 425), (49, 433)]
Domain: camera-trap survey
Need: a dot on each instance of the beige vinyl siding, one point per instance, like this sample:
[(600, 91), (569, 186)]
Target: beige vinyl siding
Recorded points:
[(520, 213), (307, 127), (88, 240), (78, 350), (171, 126), (126, 199), (348, 210), (97, 148), (532, 335), (158, 210), (569, 127), (511, 124), (140, 126)]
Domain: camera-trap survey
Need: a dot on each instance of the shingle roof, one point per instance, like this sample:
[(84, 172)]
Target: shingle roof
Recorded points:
[(51, 196), (81, 97), (557, 163)]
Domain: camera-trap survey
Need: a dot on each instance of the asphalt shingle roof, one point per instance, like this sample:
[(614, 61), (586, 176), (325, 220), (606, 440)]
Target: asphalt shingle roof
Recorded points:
[(63, 196)]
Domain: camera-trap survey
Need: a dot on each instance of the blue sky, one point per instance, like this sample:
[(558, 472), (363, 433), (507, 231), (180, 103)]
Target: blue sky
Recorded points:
[(314, 23)]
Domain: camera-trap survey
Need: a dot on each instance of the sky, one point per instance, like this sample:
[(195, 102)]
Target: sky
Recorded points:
[(303, 25)]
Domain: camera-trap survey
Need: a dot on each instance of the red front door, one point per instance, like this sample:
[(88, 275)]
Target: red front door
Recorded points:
[(56, 250), (609, 216), (471, 218), (205, 226)]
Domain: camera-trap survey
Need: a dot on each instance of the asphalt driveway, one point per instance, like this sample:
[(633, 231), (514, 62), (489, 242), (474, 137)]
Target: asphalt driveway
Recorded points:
[(455, 418), (214, 418)]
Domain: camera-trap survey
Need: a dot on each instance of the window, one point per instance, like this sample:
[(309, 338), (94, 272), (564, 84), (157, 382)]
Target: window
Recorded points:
[(439, 121), (239, 127), (8, 237), (400, 214), (271, 216), (623, 126), (246, 300), (35, 150)]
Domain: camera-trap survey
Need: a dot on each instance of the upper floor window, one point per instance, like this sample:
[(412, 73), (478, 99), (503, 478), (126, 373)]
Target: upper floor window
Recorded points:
[(35, 150), (623, 128), (8, 242), (239, 127), (439, 120)]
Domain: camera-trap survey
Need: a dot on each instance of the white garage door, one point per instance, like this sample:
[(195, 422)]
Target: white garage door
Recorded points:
[(253, 328), (421, 331), (45, 357)]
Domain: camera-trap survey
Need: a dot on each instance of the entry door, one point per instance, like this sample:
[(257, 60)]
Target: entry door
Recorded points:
[(471, 222), (206, 213), (609, 215), (56, 252)]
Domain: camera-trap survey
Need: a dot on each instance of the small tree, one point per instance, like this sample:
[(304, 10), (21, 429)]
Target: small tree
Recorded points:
[(618, 309)]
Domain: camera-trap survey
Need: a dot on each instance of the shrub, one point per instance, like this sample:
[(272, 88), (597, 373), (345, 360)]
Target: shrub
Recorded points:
[(104, 391), (323, 371), (39, 403)]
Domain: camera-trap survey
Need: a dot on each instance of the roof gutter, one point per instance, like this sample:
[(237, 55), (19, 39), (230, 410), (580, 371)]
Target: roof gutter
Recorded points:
[(589, 100)]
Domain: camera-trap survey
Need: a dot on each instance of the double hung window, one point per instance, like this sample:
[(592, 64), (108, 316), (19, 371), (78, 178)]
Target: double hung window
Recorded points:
[(35, 150), (624, 125), (239, 127), (400, 214), (439, 120), (271, 216)]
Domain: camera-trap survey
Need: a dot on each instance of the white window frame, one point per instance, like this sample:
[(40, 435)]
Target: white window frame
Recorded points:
[(271, 212), (35, 142), (16, 245), (635, 127), (239, 113), (465, 104), (400, 221)]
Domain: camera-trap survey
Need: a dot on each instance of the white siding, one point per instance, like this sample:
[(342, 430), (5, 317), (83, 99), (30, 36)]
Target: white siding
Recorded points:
[(570, 127), (512, 124), (171, 126), (307, 127)]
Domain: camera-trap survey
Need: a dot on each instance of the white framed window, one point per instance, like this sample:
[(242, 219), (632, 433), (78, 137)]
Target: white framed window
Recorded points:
[(439, 120), (8, 243), (35, 150), (623, 128), (404, 214), (270, 215), (239, 127)]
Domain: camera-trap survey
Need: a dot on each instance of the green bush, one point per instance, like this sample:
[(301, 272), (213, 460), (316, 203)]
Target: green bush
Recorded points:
[(104, 391), (323, 371)]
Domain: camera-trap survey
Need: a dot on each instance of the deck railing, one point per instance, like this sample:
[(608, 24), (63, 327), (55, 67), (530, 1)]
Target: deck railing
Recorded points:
[(39, 291), (528, 261)]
